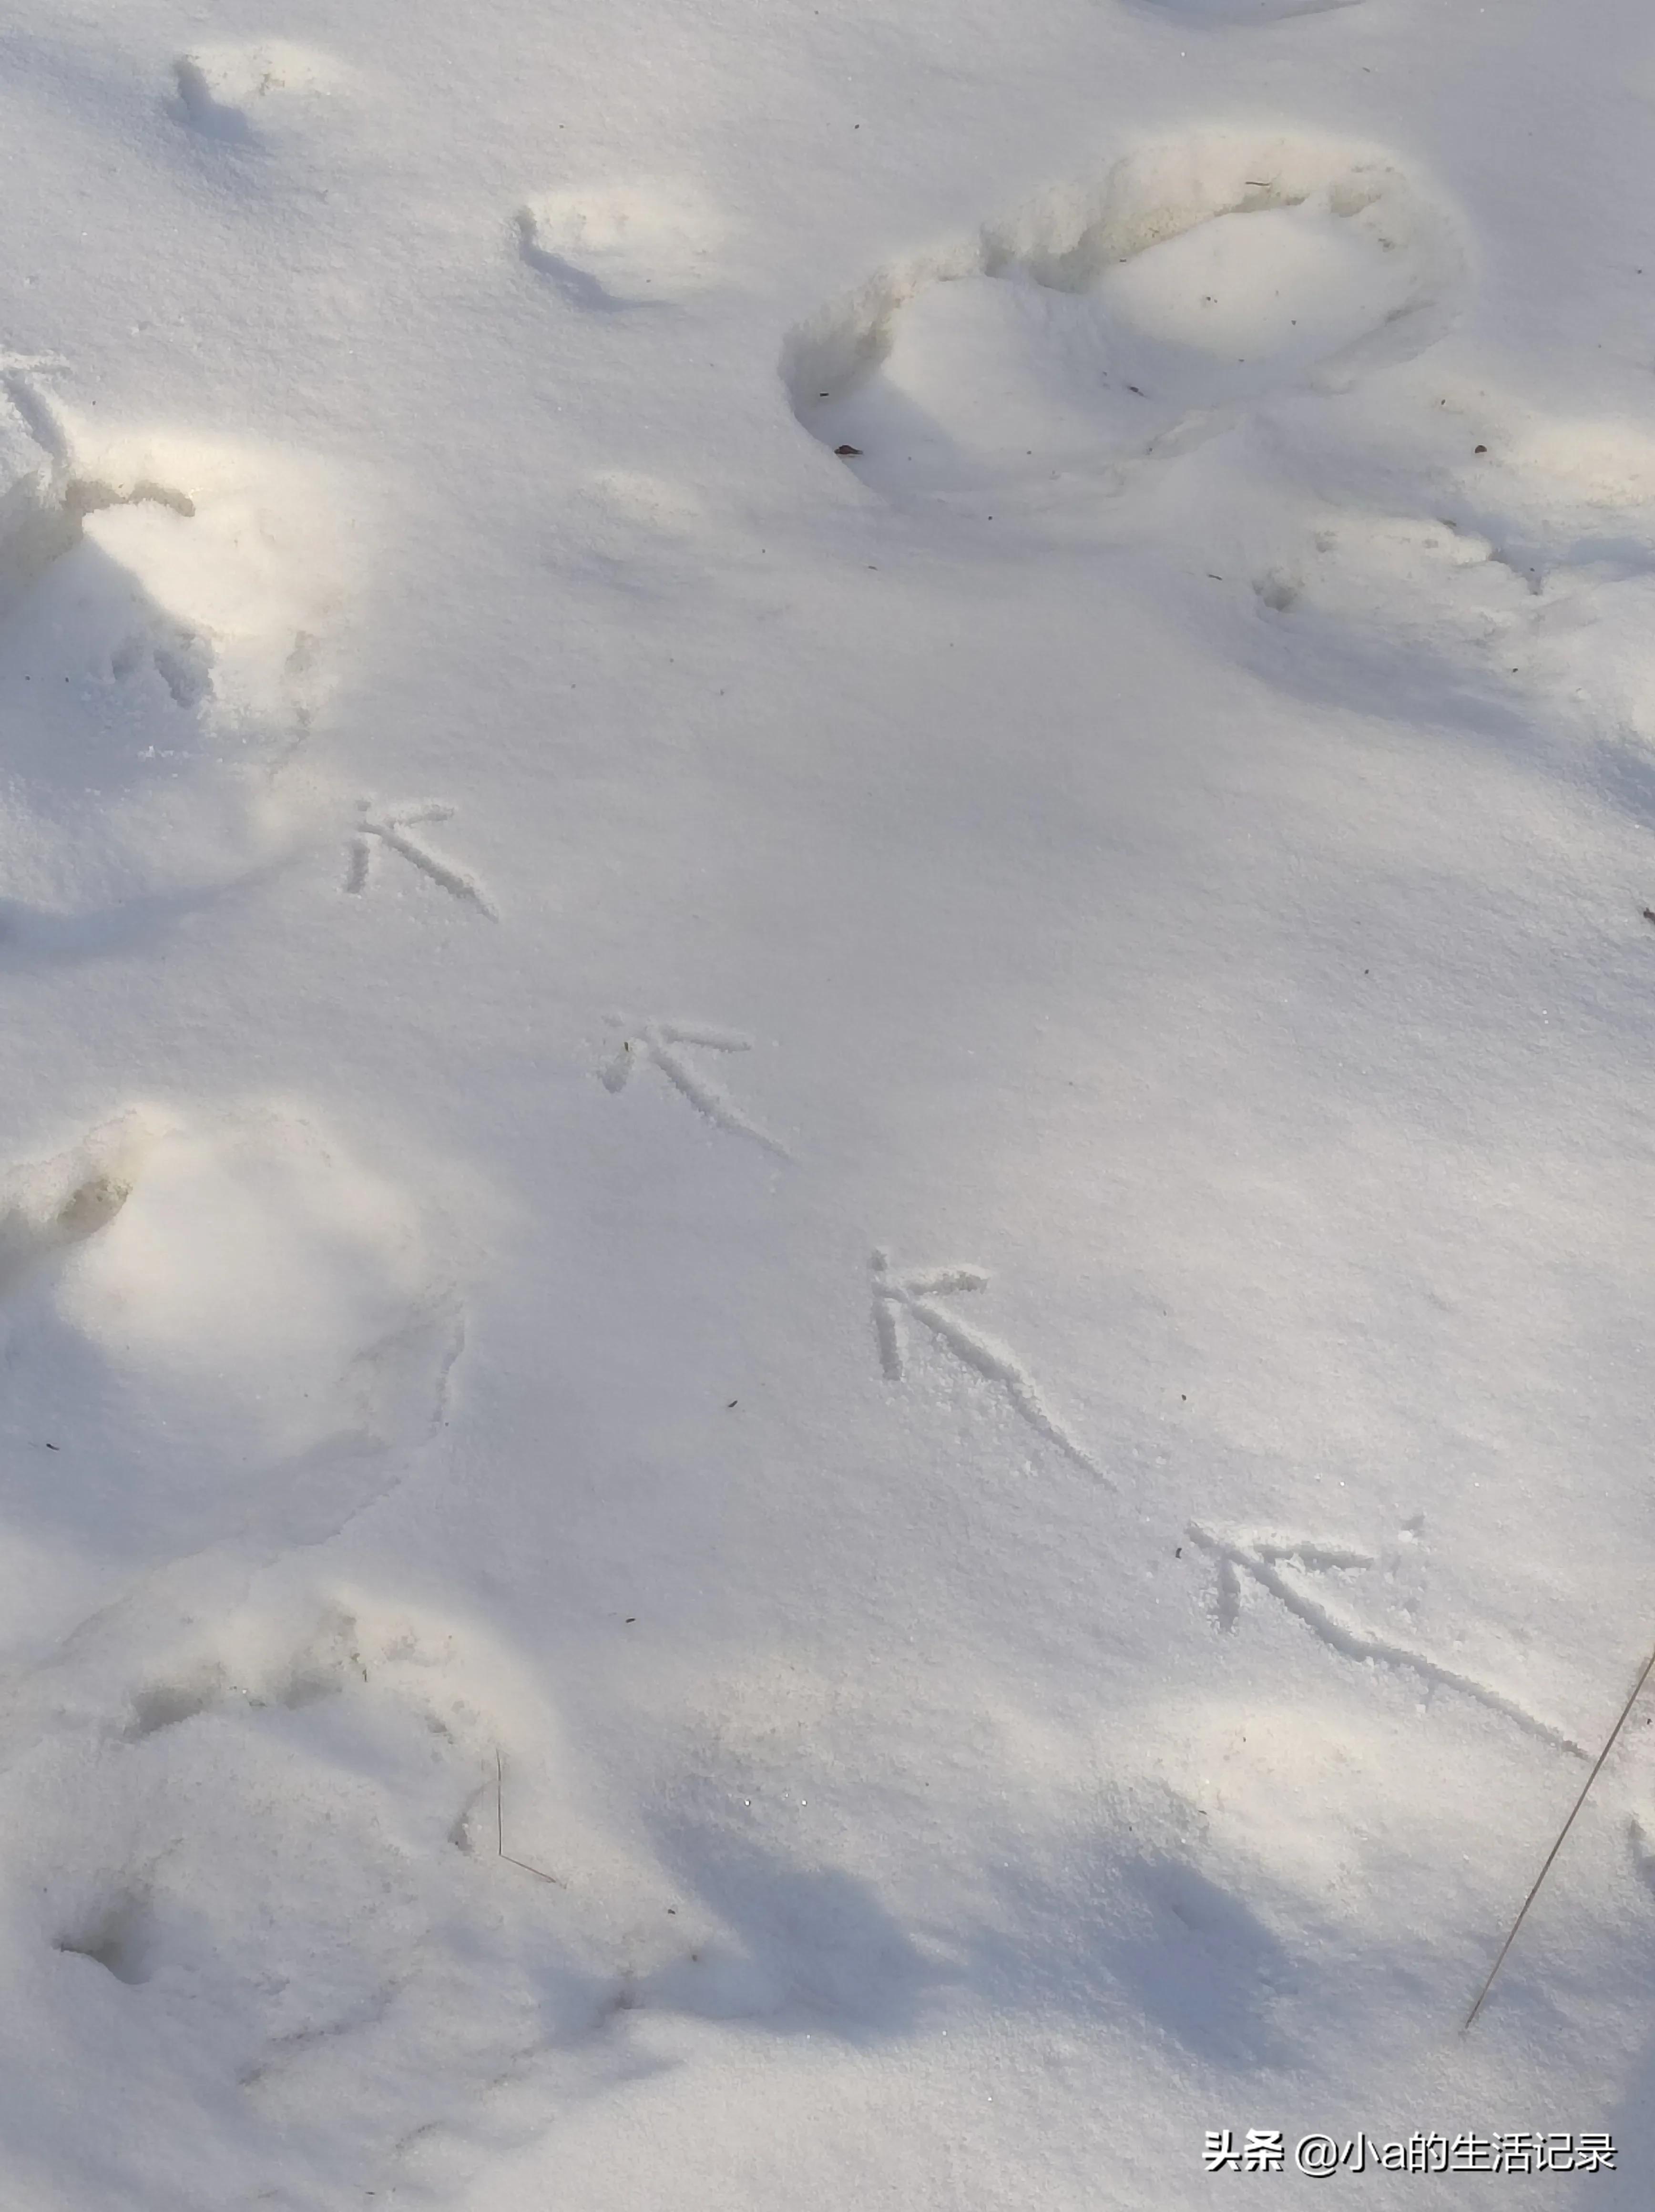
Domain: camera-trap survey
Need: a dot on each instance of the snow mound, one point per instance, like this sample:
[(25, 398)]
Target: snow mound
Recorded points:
[(614, 245), (258, 1872), (211, 1327), (165, 601), (237, 92), (1214, 15)]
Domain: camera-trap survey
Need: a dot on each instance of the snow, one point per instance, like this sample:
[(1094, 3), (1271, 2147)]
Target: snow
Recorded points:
[(823, 1273)]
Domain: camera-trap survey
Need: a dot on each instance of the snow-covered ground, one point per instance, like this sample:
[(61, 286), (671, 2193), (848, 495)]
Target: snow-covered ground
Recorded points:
[(826, 1231)]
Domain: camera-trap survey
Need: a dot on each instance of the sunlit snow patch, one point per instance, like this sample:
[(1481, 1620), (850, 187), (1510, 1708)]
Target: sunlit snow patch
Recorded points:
[(218, 1328)]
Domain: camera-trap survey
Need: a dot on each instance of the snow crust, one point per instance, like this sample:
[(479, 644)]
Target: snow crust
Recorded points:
[(826, 924)]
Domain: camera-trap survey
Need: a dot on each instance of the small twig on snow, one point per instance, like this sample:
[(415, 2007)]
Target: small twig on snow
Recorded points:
[(539, 1872), (1598, 1766)]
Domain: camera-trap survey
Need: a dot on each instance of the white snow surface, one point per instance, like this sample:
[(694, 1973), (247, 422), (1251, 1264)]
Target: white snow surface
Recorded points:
[(825, 1184)]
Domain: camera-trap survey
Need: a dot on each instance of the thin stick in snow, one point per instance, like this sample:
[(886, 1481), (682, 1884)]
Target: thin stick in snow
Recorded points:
[(1597, 1767), (539, 1872)]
